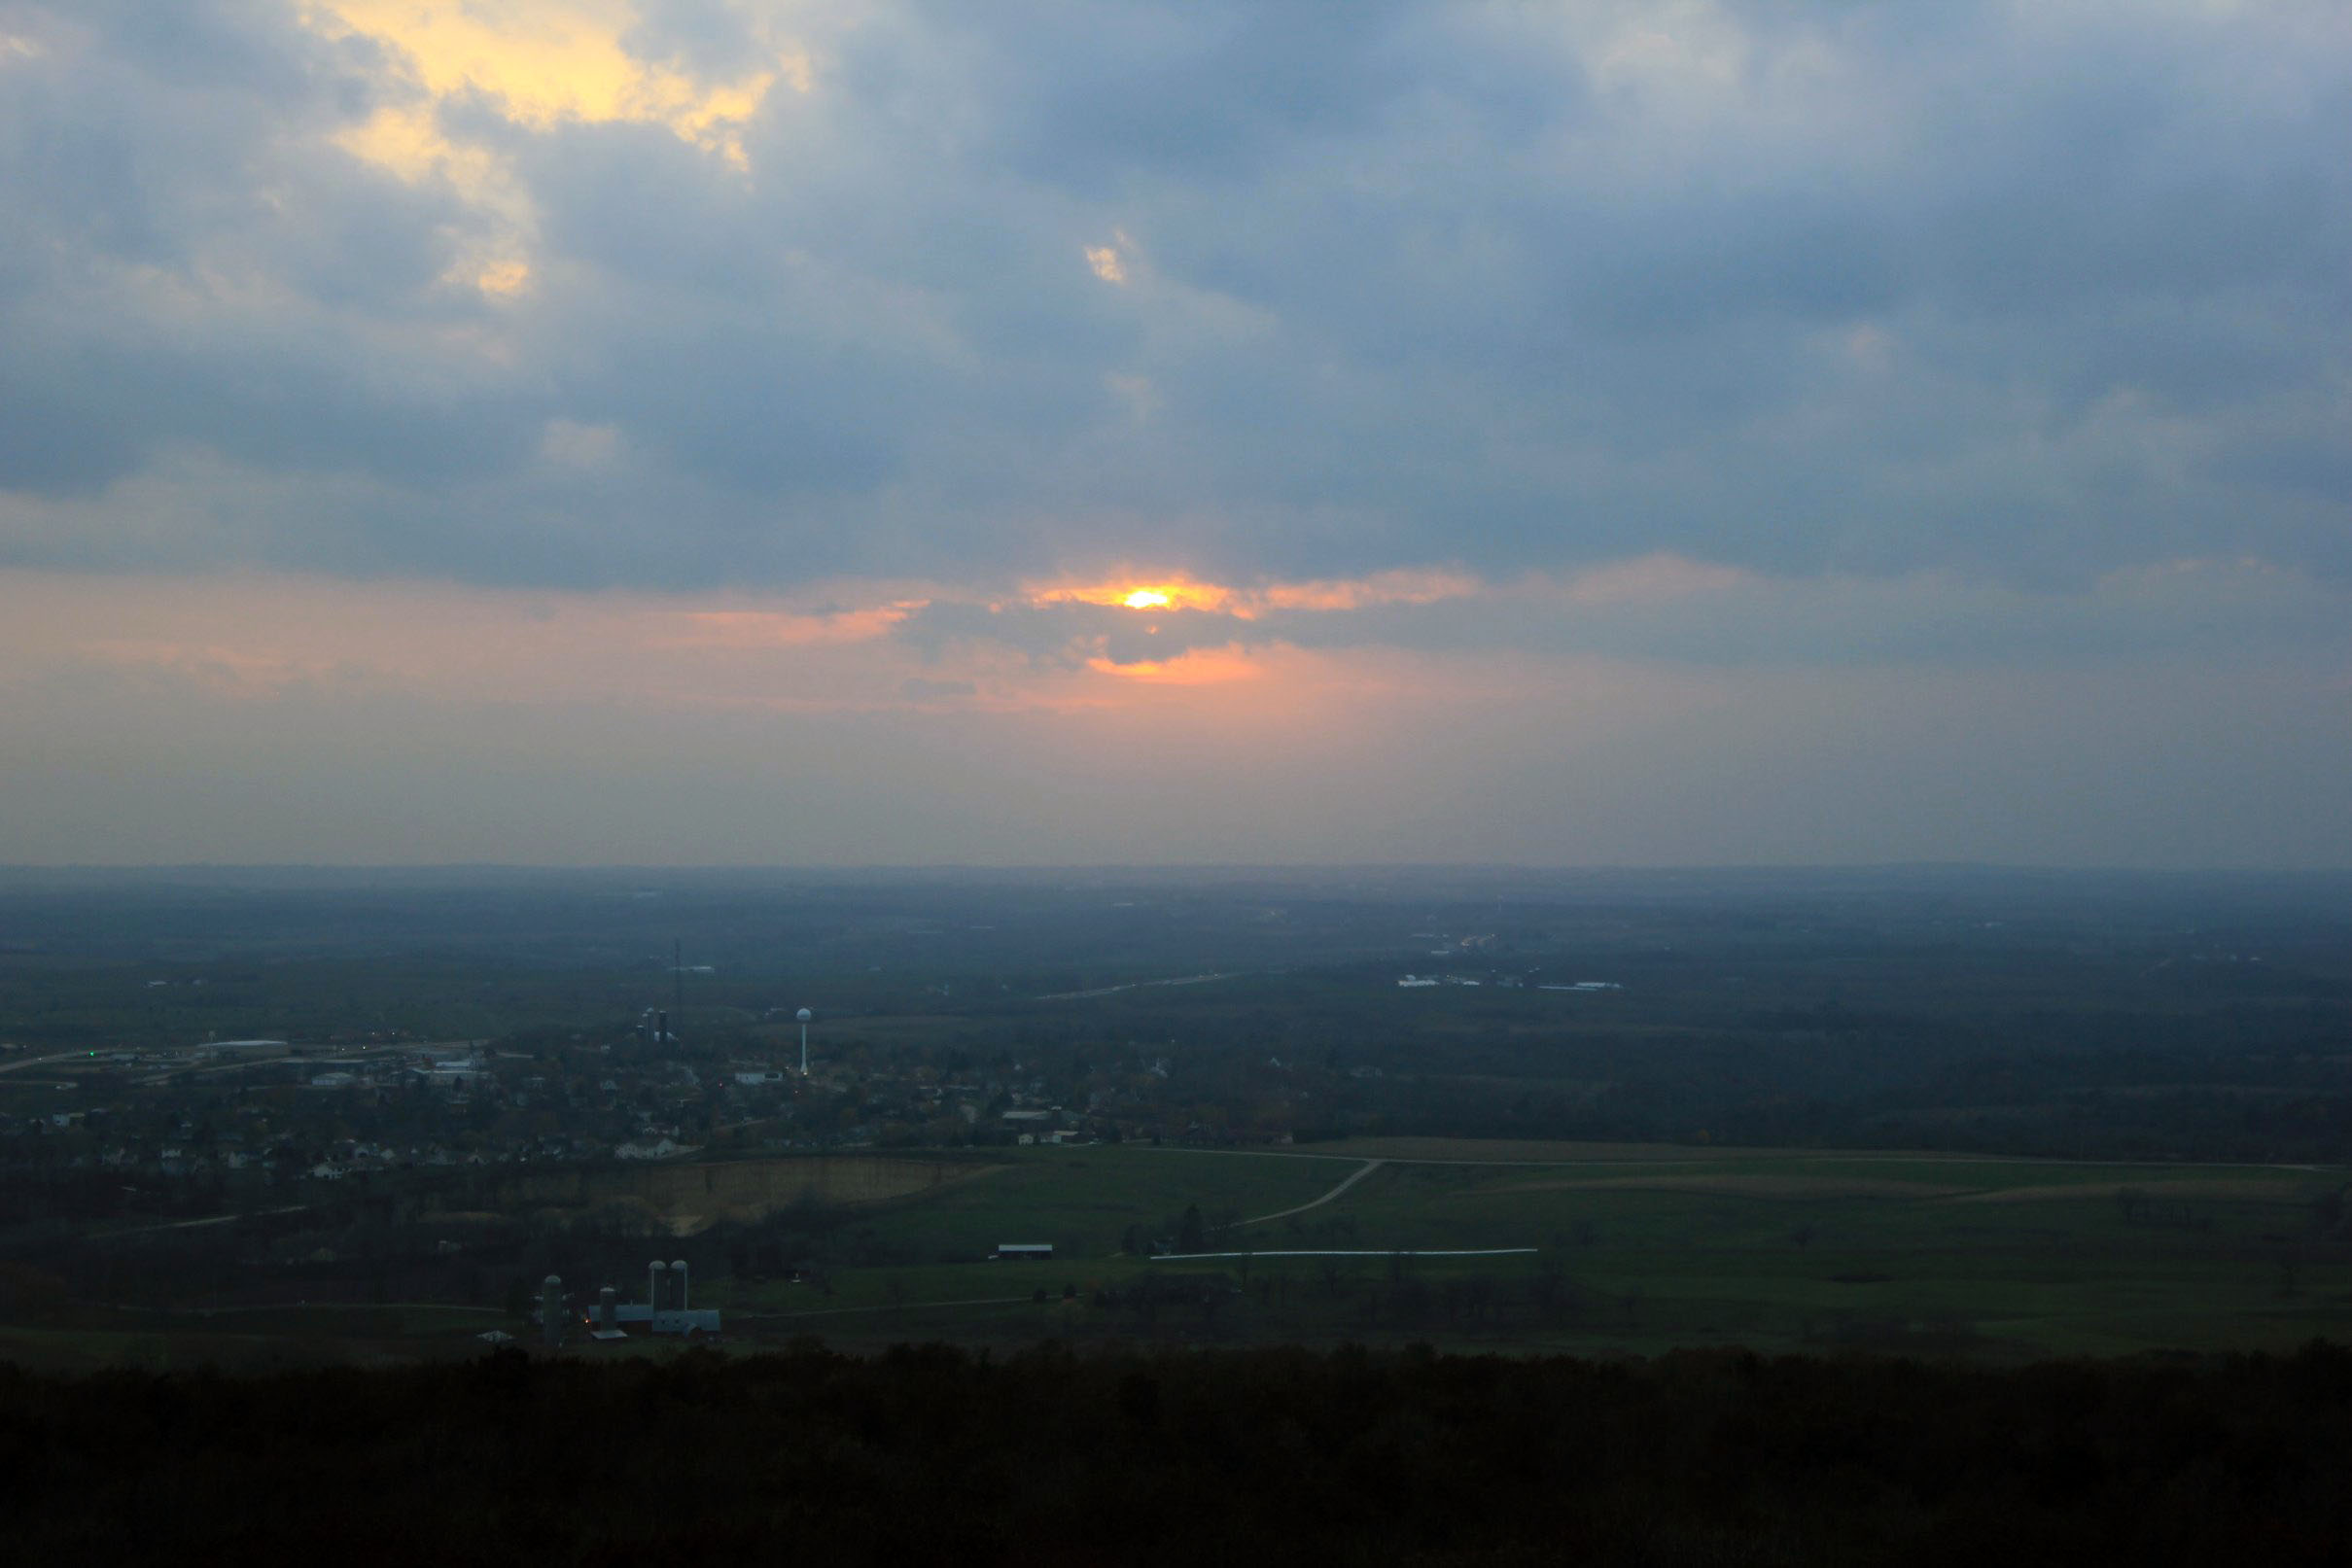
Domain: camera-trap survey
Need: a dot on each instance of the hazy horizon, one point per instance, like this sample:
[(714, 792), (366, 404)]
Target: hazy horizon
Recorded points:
[(1353, 875)]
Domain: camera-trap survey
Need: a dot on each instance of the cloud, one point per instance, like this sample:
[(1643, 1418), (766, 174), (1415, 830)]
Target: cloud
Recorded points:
[(1672, 609), (919, 689), (2028, 294), (1453, 398), (249, 718)]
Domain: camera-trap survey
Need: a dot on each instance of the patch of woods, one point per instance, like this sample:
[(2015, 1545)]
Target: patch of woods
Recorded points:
[(930, 1453)]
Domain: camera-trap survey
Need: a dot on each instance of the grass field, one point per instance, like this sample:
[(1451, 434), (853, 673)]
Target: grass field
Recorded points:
[(256, 1338), (1638, 1249)]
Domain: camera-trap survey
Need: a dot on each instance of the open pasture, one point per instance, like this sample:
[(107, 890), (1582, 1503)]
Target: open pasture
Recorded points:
[(1084, 1201), (1638, 1251)]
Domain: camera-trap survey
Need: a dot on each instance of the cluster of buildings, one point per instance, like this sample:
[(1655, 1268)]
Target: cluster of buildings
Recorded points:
[(668, 1309), (267, 1112)]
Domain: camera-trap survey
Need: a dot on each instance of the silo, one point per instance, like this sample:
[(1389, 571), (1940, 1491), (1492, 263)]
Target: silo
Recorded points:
[(607, 1309), (677, 1271), (551, 1312), (657, 1274)]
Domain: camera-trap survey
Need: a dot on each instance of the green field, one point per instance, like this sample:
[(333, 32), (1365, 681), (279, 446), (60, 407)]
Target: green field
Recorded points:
[(1638, 1249), (251, 1338), (1633, 1249)]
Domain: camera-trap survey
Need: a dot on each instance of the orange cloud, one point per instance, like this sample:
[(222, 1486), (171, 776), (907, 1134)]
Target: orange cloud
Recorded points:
[(1142, 590), (1201, 667), (1137, 592), (784, 628), (220, 668), (1401, 587)]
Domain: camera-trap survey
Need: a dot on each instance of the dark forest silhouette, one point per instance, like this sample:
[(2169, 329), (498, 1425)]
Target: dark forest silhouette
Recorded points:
[(930, 1453)]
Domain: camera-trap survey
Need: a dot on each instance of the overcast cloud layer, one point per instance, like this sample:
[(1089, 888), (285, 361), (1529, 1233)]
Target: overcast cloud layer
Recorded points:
[(762, 293), (1676, 354)]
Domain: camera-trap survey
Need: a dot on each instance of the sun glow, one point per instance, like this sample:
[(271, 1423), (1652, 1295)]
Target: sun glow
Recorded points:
[(1175, 593), (1410, 586)]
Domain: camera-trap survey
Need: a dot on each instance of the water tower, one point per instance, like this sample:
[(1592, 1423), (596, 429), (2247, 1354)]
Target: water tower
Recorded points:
[(804, 1015)]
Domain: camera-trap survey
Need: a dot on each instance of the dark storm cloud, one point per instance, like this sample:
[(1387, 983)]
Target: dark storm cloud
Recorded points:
[(2027, 295)]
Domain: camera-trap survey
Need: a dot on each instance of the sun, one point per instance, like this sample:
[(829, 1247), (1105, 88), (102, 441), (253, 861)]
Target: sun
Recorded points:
[(1134, 590)]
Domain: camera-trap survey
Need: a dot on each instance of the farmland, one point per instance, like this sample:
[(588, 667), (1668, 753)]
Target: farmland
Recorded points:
[(1629, 1250), (247, 1118), (1636, 1251)]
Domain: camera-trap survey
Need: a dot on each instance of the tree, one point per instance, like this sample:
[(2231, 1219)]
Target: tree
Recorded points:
[(1191, 1234)]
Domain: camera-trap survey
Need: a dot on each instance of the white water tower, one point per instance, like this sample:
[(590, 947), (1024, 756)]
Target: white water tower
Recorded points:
[(804, 1015)]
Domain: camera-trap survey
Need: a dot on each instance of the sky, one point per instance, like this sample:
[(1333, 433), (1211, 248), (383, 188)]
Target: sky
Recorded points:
[(902, 431)]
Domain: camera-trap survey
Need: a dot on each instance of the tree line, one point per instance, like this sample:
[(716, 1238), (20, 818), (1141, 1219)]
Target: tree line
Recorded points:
[(932, 1453)]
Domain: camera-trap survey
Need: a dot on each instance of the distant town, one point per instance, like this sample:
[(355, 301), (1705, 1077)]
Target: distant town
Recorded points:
[(273, 1112)]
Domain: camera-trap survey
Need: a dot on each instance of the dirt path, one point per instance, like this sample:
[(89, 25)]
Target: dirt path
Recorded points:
[(1369, 1166)]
